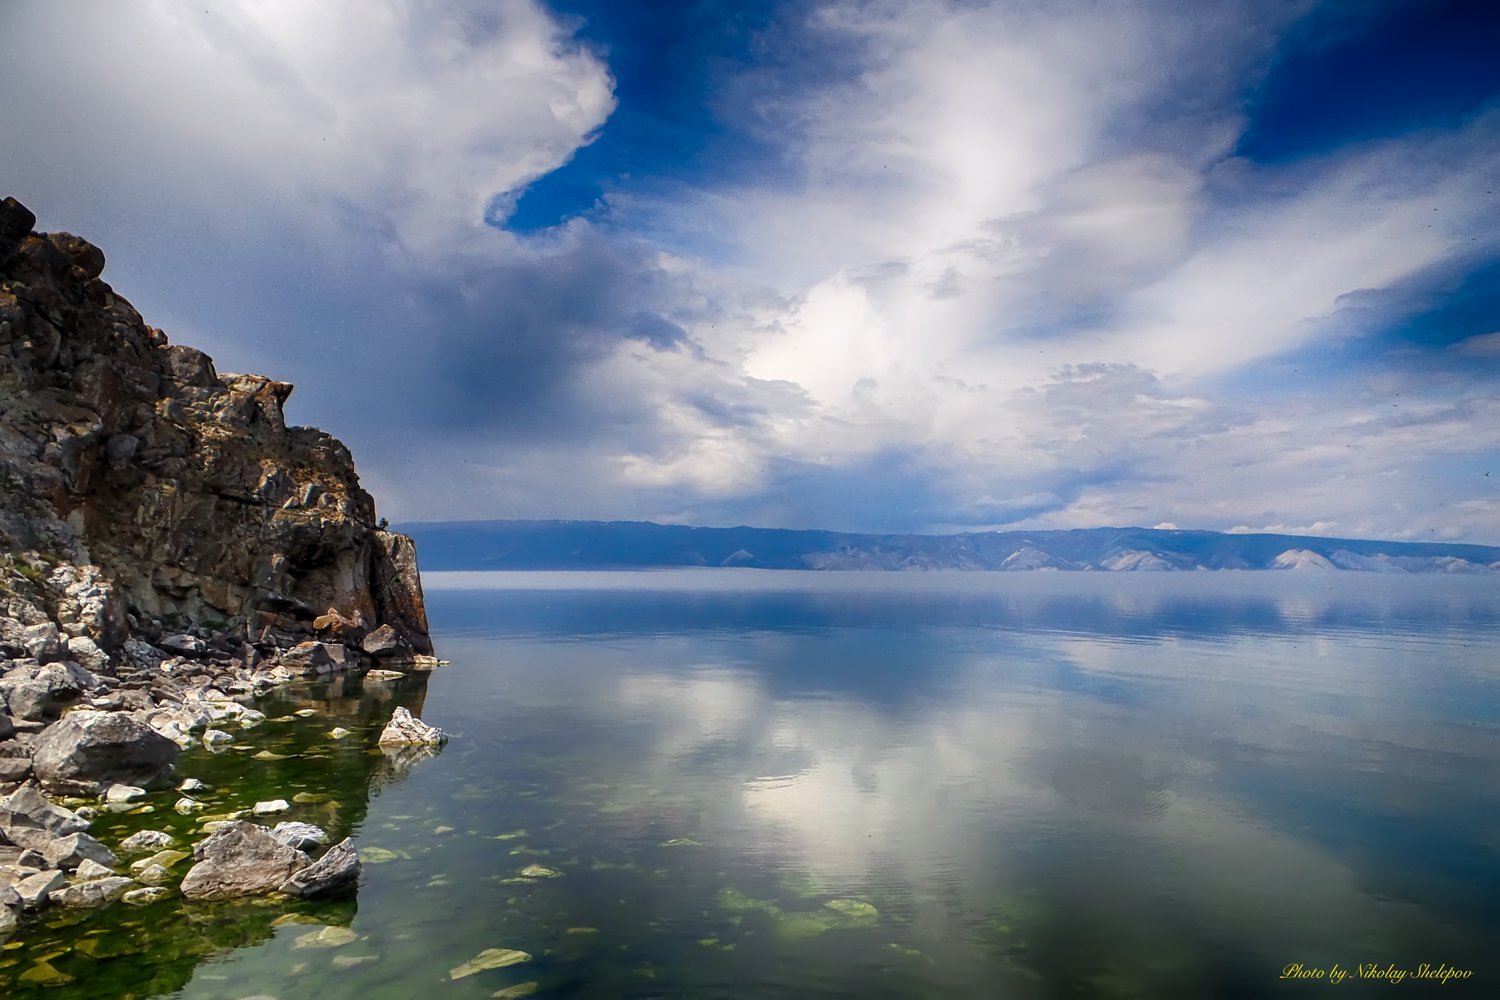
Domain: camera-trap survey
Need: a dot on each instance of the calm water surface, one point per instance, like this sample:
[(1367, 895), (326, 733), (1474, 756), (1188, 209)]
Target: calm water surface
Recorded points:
[(757, 784)]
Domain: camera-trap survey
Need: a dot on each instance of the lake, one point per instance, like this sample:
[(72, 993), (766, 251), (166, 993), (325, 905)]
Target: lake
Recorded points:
[(761, 784)]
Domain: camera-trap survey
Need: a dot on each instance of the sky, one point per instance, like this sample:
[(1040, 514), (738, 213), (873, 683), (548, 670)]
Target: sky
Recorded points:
[(927, 265)]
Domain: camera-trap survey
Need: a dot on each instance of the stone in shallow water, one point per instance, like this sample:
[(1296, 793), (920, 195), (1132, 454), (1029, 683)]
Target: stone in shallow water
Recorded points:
[(268, 755), (271, 807), (71, 851), (96, 892), (27, 811), (146, 840), (166, 858), (517, 991), (302, 836), (855, 909), (538, 871), (242, 859), (186, 805), (90, 869), (306, 713), (43, 974), (328, 937), (34, 889), (350, 961), (153, 875), (405, 729), (338, 733), (191, 785), (490, 958), (144, 895), (86, 748), (334, 874), (124, 793)]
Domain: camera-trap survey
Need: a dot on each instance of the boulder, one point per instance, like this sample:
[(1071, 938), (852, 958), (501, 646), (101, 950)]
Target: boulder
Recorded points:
[(405, 729), (28, 699), (9, 900), (242, 859), (87, 749), (15, 761), (184, 645), (71, 851), (34, 889), (89, 869), (41, 642), (386, 642), (334, 874), (309, 658), (28, 809), (124, 793)]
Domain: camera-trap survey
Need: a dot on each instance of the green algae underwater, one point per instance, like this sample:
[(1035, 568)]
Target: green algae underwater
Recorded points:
[(832, 794)]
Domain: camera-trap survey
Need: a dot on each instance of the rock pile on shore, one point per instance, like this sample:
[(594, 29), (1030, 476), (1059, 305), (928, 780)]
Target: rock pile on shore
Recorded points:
[(169, 549)]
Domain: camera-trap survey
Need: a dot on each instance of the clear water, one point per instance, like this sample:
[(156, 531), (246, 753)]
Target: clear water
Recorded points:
[(755, 784)]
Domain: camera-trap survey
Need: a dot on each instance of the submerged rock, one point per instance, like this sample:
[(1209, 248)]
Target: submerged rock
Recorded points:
[(405, 729), (243, 859), (490, 958), (144, 895), (517, 991), (328, 937)]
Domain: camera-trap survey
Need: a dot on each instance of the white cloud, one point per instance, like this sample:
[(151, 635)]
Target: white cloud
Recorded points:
[(413, 118), (1010, 256), (1483, 345)]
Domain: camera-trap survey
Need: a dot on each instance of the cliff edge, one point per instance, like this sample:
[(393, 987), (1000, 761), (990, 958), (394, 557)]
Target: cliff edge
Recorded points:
[(163, 532)]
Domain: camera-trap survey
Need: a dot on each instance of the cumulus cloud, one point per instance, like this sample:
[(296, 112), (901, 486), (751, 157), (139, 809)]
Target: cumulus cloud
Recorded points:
[(1006, 267)]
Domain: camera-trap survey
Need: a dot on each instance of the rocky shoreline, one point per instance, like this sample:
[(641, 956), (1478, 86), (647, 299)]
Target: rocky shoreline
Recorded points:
[(170, 550)]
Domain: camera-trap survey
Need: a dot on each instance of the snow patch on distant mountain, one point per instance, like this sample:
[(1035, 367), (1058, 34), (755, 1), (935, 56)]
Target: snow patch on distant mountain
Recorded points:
[(1301, 559), (1031, 557), (1136, 561)]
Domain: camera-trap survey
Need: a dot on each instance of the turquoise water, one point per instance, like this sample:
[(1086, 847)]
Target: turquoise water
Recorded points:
[(755, 784)]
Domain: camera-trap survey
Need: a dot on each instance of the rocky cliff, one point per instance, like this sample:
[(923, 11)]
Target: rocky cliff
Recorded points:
[(163, 532)]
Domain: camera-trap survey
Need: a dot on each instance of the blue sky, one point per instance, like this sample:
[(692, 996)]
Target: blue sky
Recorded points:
[(921, 265)]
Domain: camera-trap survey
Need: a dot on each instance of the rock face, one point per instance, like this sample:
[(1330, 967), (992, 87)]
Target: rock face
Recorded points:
[(154, 510), (242, 859)]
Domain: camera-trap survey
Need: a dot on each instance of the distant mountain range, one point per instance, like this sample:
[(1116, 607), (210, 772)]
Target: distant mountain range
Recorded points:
[(537, 545)]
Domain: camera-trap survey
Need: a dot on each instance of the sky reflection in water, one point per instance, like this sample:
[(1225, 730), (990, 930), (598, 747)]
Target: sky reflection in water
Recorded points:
[(1178, 779)]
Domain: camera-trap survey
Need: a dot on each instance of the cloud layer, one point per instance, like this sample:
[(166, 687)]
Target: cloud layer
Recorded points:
[(990, 264)]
